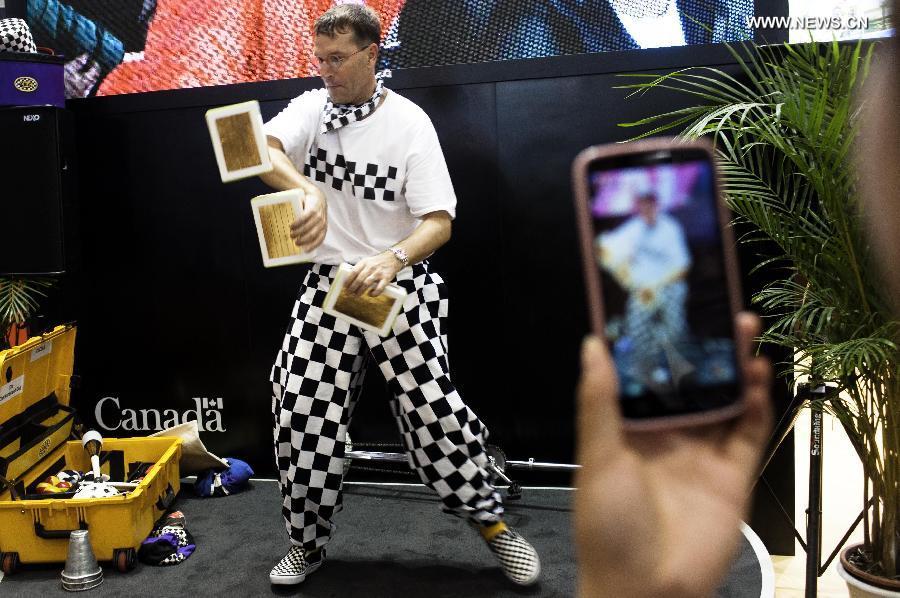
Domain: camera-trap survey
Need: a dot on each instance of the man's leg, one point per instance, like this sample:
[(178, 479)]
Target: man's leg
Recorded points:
[(314, 378), (643, 330), (443, 437), (673, 299)]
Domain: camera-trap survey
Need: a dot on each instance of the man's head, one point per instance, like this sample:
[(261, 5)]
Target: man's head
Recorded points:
[(346, 49), (647, 207)]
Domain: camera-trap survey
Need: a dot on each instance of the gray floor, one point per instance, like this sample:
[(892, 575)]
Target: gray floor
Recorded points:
[(393, 542)]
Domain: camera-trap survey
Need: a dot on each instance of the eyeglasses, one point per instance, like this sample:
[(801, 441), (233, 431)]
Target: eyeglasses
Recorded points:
[(335, 62)]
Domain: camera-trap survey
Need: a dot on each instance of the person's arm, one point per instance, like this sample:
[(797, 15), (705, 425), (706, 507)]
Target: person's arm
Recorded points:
[(309, 230), (284, 175), (377, 271), (430, 197)]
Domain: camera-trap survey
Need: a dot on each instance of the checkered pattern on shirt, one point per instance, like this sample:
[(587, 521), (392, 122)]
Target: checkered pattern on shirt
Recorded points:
[(15, 36), (315, 378), (366, 180)]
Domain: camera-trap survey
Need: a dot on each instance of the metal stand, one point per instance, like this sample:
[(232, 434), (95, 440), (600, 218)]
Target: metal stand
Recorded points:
[(813, 544), (814, 508), (497, 464)]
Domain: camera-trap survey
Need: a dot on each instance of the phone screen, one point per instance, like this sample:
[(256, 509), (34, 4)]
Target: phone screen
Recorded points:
[(658, 246)]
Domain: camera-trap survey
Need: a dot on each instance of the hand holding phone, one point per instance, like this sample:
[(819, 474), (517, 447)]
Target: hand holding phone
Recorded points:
[(661, 278), (675, 496)]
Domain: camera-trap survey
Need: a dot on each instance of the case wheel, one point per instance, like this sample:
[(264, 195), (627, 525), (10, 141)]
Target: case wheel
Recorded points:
[(10, 562), (124, 559)]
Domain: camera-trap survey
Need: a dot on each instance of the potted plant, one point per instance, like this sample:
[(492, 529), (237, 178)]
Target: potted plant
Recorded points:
[(784, 130), (18, 303)]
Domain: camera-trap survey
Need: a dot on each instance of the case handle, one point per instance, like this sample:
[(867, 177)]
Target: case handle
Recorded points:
[(166, 501), (55, 534)]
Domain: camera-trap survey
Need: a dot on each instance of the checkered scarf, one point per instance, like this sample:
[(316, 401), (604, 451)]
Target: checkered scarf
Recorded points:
[(336, 116)]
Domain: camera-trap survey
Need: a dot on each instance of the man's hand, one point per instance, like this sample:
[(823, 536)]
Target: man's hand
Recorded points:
[(373, 273), (647, 296), (308, 231), (622, 274), (658, 514)]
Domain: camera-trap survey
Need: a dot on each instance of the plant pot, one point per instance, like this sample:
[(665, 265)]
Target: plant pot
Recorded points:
[(864, 585)]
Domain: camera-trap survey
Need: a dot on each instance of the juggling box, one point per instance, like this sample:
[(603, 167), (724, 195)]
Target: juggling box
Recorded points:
[(239, 141)]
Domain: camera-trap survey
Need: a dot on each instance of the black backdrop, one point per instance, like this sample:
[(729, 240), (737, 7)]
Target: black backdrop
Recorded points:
[(177, 313)]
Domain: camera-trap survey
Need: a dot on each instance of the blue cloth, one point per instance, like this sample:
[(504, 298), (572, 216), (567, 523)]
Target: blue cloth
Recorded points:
[(223, 483), (72, 34)]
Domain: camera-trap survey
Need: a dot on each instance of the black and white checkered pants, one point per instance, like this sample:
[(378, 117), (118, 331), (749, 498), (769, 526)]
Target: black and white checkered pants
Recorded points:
[(315, 380)]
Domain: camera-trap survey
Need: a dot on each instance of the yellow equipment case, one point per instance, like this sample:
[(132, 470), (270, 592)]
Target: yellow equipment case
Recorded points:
[(35, 417), (35, 421)]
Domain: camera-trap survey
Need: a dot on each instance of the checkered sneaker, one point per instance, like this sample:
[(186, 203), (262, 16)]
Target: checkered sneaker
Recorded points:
[(336, 116), (295, 566), (15, 36), (518, 559)]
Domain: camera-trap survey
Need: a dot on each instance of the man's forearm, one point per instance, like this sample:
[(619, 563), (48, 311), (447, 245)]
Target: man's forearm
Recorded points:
[(674, 277), (283, 175), (432, 232)]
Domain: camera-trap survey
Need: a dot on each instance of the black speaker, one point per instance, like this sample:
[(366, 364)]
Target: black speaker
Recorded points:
[(35, 189)]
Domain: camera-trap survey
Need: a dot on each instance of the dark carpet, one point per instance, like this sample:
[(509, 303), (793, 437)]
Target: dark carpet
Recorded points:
[(392, 542)]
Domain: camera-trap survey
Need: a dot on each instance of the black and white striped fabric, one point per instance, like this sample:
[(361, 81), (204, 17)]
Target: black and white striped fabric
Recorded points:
[(15, 36), (336, 116), (315, 378), (518, 559)]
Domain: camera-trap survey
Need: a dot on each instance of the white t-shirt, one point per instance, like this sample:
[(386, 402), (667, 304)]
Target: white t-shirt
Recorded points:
[(651, 254), (379, 175)]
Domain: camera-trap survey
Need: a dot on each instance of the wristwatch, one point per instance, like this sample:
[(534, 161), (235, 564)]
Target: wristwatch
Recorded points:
[(400, 254)]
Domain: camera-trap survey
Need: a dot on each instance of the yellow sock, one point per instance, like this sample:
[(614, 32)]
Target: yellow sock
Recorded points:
[(492, 531)]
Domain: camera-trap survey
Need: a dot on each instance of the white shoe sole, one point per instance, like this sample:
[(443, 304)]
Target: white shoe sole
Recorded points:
[(531, 580)]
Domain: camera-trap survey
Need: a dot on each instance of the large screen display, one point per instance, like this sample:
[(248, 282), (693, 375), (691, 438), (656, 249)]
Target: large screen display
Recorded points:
[(128, 46)]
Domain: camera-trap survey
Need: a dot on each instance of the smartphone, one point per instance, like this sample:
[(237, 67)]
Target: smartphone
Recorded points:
[(662, 279)]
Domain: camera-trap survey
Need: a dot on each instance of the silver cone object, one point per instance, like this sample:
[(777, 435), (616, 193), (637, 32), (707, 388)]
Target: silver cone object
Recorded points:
[(82, 571)]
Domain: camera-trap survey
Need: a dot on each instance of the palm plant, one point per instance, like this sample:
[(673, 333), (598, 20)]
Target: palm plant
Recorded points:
[(784, 131), (19, 301)]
